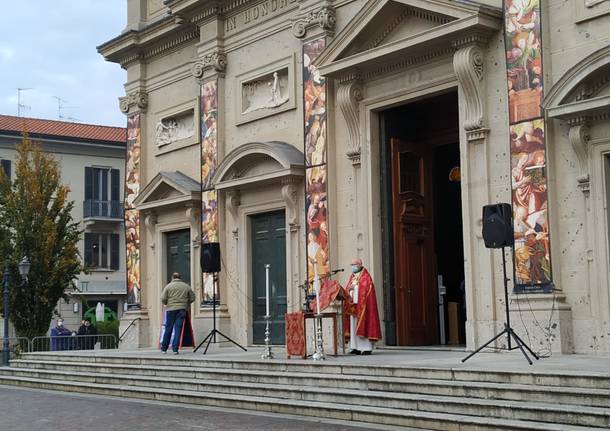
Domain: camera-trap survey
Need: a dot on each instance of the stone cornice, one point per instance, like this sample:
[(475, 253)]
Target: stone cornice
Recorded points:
[(423, 46), (155, 39), (405, 63), (581, 81)]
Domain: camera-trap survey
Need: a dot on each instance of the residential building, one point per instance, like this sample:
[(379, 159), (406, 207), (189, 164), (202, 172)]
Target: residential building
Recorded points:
[(92, 162)]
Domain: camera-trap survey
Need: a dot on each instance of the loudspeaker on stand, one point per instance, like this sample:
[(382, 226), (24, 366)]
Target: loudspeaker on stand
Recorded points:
[(498, 226), (210, 257)]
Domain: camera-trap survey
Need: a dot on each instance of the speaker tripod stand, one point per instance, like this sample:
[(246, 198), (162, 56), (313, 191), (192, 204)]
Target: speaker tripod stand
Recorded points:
[(508, 330), (211, 337)]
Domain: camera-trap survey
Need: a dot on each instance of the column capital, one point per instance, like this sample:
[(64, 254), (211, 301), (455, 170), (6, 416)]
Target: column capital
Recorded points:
[(324, 17), (134, 102), (215, 61)]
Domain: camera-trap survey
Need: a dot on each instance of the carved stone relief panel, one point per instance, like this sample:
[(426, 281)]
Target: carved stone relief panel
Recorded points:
[(175, 128), (266, 91)]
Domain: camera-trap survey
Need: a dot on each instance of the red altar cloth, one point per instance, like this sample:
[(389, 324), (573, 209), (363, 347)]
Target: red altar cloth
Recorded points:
[(295, 334), (330, 290)]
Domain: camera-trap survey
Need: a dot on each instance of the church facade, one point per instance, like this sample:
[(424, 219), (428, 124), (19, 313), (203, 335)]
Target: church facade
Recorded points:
[(301, 133)]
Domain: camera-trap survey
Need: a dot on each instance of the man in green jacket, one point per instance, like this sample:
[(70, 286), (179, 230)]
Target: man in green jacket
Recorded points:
[(177, 297)]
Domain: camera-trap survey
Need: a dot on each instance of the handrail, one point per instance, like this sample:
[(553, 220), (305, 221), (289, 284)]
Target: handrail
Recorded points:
[(127, 329)]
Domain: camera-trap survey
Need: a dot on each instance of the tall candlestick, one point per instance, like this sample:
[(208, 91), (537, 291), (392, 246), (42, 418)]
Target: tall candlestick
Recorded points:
[(267, 353), (319, 354), (267, 266), (316, 285)]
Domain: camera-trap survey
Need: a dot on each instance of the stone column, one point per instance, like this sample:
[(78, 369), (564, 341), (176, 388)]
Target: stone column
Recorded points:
[(136, 320), (290, 192), (208, 69), (479, 262), (349, 96)]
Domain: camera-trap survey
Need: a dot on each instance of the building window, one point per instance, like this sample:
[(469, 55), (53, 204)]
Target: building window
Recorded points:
[(5, 165), (102, 192), (102, 250)]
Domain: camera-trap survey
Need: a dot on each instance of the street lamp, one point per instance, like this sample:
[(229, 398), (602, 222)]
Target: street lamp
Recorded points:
[(24, 270), (24, 267)]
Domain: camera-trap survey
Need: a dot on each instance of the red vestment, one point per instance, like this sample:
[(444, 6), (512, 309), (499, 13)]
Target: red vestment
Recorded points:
[(367, 323)]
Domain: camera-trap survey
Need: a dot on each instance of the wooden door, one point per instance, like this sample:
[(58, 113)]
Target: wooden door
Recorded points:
[(269, 247), (178, 252), (414, 259)]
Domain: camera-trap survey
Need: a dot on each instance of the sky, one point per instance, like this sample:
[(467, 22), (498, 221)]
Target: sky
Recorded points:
[(50, 47)]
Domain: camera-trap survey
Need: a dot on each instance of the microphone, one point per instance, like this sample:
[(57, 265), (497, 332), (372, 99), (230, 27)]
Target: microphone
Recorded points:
[(334, 271)]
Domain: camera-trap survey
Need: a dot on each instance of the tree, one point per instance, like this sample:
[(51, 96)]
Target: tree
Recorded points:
[(36, 221)]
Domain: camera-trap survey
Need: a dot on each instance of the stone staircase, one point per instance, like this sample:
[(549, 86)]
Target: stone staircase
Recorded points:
[(416, 397)]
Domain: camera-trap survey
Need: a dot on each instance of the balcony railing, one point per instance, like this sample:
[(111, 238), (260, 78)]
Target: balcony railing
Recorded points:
[(102, 287), (103, 209)]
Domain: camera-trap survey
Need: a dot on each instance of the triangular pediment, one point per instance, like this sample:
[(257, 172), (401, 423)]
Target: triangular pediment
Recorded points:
[(167, 188), (391, 28), (392, 22)]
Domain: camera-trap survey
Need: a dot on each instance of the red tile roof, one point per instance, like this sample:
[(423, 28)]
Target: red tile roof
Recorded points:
[(63, 129)]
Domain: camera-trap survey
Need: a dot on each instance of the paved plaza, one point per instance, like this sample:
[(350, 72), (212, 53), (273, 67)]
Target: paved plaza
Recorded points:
[(28, 410)]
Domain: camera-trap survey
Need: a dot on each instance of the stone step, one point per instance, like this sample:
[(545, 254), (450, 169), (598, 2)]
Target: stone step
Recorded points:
[(356, 413), (484, 390), (514, 410), (576, 379)]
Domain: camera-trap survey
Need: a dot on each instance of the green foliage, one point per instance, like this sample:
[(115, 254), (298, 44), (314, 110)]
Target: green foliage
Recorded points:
[(36, 221), (111, 327), (108, 327)]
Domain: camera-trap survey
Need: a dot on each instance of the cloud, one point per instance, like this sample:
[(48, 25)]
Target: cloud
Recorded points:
[(59, 58), (6, 53)]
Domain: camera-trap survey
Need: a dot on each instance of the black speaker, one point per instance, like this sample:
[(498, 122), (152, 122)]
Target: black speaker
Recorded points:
[(210, 257), (498, 226)]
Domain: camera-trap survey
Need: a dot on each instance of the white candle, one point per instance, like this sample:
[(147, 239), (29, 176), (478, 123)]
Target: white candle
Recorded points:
[(267, 266), (316, 285)]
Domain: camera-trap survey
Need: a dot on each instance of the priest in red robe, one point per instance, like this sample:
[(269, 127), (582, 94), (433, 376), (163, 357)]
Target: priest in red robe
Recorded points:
[(362, 326)]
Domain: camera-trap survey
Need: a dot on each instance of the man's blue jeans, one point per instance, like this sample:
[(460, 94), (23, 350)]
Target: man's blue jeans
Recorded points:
[(174, 319)]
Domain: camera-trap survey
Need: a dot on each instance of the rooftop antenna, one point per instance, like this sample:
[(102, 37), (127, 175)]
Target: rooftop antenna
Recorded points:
[(21, 106), (61, 107)]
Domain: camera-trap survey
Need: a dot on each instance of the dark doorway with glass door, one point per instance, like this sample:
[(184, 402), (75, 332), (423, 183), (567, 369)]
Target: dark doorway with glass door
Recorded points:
[(422, 223)]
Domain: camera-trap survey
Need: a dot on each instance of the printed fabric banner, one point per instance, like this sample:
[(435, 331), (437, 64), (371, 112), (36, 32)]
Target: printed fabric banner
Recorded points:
[(131, 214), (523, 40), (209, 164), (314, 103)]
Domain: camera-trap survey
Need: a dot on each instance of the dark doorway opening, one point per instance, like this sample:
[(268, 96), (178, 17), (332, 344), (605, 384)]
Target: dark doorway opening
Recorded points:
[(268, 246), (422, 223), (178, 253)]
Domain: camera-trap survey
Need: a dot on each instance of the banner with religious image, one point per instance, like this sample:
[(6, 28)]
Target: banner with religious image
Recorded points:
[(314, 103), (131, 214), (523, 41), (316, 206), (209, 163)]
